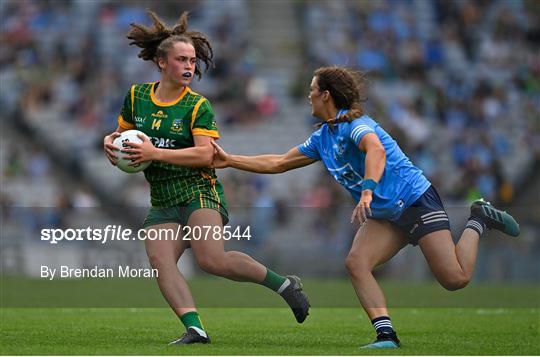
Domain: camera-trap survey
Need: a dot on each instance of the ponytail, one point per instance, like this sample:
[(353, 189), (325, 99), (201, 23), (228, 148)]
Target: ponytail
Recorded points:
[(156, 40)]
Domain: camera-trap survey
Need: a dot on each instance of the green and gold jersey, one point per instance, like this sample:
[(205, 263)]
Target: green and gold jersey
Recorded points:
[(171, 125)]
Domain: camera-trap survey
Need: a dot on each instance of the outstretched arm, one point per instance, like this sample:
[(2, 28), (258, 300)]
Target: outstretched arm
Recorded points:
[(263, 164)]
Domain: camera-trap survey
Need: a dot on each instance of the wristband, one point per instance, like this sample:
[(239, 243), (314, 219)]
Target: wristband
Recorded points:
[(369, 184)]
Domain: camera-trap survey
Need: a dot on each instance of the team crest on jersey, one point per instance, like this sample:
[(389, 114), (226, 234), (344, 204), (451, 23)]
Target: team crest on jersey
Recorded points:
[(160, 115), (346, 176), (339, 148), (176, 126)]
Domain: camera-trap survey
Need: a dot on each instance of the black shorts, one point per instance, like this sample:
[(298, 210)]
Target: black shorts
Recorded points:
[(425, 215)]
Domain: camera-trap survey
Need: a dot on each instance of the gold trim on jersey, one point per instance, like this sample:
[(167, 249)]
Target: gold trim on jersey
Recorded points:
[(167, 104), (195, 110), (133, 102), (205, 132), (124, 124)]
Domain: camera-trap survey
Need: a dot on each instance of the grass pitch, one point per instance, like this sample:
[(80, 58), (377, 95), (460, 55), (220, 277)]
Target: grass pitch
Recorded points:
[(267, 331), (495, 328)]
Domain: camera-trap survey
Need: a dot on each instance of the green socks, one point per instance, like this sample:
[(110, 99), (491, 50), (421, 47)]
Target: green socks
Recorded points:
[(272, 280), (192, 319), (275, 281)]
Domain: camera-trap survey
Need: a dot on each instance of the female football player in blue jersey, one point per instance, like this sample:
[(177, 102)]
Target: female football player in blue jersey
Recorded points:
[(397, 205)]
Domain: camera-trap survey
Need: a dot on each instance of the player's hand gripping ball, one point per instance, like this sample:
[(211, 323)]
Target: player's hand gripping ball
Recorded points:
[(123, 162)]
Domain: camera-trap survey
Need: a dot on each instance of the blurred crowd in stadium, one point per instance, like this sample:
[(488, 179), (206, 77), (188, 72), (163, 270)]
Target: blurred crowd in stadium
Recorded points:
[(457, 83), (470, 69)]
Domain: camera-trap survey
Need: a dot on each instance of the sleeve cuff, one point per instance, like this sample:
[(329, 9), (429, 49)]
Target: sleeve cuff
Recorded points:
[(205, 132), (124, 124), (304, 152)]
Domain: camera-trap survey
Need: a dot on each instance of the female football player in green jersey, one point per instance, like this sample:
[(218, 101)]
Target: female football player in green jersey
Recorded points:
[(184, 191)]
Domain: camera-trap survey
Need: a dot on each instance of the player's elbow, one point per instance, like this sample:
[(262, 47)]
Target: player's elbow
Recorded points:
[(206, 161), (206, 157), (377, 154), (379, 151)]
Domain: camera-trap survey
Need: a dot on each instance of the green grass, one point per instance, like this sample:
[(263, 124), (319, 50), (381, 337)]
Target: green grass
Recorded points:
[(217, 292), (129, 317), (264, 331)]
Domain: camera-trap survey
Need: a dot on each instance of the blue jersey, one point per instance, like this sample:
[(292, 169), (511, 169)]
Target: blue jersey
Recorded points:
[(401, 184)]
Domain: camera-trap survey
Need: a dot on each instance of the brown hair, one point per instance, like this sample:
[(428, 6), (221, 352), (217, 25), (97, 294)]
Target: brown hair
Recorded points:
[(157, 40), (346, 87)]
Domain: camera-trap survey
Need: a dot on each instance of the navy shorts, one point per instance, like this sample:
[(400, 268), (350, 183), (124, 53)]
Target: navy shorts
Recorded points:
[(424, 216)]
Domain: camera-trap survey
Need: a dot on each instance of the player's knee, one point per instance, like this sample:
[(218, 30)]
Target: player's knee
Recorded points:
[(356, 266), (213, 265), (159, 261), (455, 282)]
